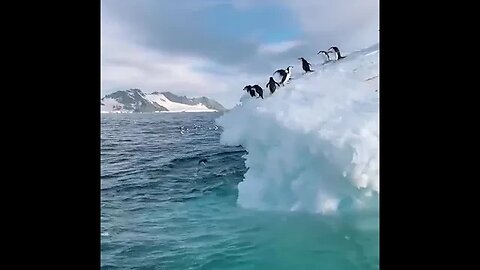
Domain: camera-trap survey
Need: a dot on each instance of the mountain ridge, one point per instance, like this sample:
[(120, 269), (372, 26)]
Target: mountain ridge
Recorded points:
[(136, 101)]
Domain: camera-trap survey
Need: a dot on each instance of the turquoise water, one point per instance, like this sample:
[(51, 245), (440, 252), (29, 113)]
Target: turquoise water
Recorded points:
[(160, 209)]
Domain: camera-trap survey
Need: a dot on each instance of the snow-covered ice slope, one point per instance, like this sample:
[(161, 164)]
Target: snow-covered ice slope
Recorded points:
[(312, 145)]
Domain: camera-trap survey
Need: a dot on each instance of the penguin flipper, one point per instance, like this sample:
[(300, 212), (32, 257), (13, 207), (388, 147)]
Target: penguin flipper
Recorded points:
[(281, 72)]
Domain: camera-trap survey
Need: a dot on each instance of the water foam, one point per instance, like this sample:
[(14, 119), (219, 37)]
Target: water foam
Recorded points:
[(313, 145)]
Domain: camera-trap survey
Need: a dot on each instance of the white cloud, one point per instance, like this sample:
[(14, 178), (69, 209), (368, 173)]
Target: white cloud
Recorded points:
[(280, 47), (128, 64), (349, 24), (128, 61)]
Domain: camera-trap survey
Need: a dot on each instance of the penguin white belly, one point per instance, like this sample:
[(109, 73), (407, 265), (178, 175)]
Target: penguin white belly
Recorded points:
[(288, 77)]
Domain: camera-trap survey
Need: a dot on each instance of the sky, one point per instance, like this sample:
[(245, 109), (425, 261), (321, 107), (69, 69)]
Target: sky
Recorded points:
[(214, 48)]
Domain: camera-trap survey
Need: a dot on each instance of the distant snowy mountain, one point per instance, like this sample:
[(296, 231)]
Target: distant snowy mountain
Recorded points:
[(135, 101)]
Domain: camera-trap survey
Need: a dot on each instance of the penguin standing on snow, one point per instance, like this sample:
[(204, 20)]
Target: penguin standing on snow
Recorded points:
[(305, 65), (250, 90), (326, 54), (337, 52), (259, 90), (272, 85), (285, 73)]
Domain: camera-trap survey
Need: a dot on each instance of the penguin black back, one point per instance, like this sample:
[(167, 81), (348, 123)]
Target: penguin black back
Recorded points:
[(272, 85), (337, 51), (250, 90), (285, 73), (326, 54), (259, 90), (305, 65)]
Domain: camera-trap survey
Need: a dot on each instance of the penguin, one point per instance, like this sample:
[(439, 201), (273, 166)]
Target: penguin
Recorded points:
[(337, 51), (285, 73), (272, 85), (305, 65), (326, 54), (259, 90), (203, 161), (250, 90)]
